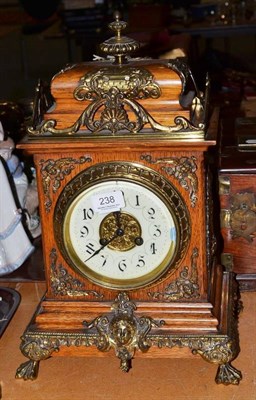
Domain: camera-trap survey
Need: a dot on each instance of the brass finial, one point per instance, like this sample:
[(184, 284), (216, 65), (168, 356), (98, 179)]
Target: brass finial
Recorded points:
[(119, 46)]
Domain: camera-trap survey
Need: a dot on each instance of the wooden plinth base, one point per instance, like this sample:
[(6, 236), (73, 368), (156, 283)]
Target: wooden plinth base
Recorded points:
[(127, 330)]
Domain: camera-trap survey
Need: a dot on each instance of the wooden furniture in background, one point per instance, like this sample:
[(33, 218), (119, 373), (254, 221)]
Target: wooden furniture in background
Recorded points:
[(237, 189), (237, 178)]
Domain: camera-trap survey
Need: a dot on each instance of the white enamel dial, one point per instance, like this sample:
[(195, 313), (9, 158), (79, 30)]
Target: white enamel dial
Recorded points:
[(120, 234)]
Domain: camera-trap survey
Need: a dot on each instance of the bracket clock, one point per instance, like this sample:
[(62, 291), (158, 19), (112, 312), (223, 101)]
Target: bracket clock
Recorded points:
[(126, 211)]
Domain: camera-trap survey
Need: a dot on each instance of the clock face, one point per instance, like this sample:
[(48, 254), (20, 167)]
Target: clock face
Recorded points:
[(120, 233)]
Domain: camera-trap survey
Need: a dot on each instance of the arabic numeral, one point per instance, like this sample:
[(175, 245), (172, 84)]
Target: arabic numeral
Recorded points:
[(90, 248), (88, 214), (153, 248), (122, 265), (157, 231), (151, 213), (104, 260), (84, 231), (141, 263)]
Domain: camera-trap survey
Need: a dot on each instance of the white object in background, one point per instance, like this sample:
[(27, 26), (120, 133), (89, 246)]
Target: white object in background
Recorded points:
[(27, 193), (15, 245)]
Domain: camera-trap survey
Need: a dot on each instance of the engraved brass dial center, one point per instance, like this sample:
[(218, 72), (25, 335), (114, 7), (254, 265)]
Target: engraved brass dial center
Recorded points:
[(125, 229)]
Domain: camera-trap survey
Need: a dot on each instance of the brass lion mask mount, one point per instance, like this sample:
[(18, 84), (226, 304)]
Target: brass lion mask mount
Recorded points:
[(122, 331)]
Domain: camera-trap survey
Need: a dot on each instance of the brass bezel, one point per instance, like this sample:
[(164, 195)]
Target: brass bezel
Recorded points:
[(137, 174)]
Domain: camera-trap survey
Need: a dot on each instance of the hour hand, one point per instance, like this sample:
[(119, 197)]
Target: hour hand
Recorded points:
[(105, 242), (117, 215)]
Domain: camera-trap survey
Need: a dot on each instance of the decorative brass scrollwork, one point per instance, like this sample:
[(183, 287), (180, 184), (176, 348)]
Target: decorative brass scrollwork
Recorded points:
[(122, 330), (112, 92), (183, 169), (184, 287), (64, 284), (54, 171), (243, 216)]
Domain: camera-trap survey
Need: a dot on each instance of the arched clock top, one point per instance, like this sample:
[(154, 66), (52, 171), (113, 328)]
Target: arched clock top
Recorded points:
[(121, 96)]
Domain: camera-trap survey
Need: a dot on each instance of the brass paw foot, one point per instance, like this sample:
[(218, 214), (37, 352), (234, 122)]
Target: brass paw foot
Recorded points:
[(28, 370), (228, 375)]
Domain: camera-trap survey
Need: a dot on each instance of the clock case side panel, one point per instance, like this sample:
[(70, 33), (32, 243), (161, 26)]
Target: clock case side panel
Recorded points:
[(45, 200), (53, 173), (186, 170)]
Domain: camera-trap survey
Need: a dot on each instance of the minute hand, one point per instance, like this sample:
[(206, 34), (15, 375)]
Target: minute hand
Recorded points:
[(104, 245)]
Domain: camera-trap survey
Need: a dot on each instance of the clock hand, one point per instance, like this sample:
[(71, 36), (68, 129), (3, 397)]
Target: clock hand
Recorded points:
[(117, 215), (120, 230), (104, 243)]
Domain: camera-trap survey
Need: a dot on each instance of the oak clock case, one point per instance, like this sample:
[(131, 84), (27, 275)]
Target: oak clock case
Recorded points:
[(126, 212)]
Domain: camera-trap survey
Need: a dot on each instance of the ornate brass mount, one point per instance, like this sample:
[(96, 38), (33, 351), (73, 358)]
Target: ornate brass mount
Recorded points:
[(240, 218), (183, 169), (227, 260), (216, 350), (54, 172), (224, 185), (122, 330), (114, 94), (184, 287), (63, 284), (243, 216), (119, 46), (113, 104)]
